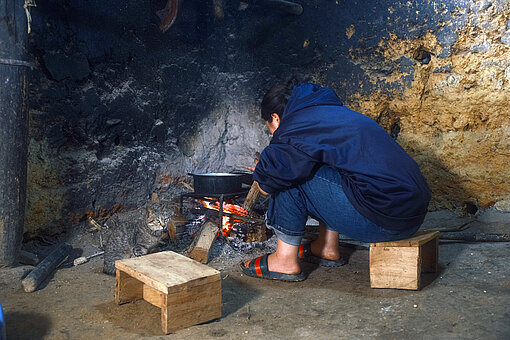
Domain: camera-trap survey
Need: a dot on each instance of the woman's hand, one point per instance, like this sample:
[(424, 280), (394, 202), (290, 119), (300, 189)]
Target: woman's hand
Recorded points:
[(262, 191), (255, 160)]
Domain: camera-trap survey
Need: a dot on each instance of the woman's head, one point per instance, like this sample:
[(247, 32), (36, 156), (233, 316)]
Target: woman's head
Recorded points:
[(276, 99)]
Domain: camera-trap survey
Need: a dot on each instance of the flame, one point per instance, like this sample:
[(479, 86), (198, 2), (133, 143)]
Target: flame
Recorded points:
[(227, 221)]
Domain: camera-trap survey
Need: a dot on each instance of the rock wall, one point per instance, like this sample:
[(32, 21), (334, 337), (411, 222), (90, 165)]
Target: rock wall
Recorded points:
[(120, 110), (453, 111)]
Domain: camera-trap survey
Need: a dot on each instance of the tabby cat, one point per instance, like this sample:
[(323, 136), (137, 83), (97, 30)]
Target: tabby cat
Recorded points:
[(131, 233)]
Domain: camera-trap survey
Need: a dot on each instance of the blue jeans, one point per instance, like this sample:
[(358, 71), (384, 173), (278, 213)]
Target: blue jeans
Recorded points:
[(323, 198)]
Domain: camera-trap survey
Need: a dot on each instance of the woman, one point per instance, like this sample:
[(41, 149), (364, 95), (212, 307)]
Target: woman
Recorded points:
[(335, 165)]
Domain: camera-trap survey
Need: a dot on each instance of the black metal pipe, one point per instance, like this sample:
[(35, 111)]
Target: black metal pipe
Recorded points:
[(13, 129), (281, 5)]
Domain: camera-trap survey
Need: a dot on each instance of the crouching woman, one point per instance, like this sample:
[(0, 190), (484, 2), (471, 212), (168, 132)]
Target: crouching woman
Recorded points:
[(338, 166)]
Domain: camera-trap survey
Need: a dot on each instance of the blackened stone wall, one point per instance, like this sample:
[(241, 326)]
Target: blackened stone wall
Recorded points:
[(120, 110)]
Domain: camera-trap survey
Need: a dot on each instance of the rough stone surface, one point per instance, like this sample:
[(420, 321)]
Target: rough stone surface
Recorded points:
[(120, 110), (61, 66), (447, 37), (505, 38)]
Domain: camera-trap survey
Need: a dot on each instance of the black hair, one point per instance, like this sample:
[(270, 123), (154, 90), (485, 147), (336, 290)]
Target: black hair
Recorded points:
[(275, 99)]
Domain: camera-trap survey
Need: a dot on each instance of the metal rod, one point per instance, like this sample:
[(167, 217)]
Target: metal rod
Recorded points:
[(15, 62), (281, 5), (474, 237), (221, 212)]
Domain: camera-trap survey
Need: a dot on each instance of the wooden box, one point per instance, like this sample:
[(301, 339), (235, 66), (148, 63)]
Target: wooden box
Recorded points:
[(187, 292), (399, 264)]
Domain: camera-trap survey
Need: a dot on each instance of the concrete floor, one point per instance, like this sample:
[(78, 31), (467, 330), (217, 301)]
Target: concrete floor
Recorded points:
[(469, 299)]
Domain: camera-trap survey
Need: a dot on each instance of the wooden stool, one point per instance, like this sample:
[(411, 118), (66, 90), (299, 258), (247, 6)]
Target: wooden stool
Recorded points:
[(399, 264), (187, 292)]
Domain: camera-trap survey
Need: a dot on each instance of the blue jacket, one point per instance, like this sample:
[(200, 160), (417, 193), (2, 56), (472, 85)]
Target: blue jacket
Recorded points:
[(379, 178)]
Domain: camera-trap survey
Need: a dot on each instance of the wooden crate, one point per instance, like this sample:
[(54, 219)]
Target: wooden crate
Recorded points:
[(187, 292), (399, 264)]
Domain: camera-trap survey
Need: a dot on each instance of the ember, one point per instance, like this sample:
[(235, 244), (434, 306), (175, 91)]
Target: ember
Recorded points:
[(227, 221)]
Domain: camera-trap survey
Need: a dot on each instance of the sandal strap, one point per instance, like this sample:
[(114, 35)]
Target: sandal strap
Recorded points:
[(260, 266), (304, 250)]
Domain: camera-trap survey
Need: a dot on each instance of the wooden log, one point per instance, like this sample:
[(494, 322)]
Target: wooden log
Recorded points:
[(474, 237), (257, 233), (238, 217), (46, 267), (204, 240), (281, 5), (176, 226), (29, 258), (252, 196), (85, 259), (13, 129)]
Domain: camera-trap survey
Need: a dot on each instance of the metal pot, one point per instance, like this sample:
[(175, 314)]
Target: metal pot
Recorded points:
[(217, 183), (246, 176)]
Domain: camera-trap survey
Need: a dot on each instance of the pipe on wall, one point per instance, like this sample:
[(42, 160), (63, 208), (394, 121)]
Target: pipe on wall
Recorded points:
[(13, 129)]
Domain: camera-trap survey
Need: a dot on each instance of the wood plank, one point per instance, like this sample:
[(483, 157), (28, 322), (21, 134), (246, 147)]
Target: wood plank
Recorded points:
[(164, 316), (153, 296), (127, 288), (395, 267), (252, 196), (192, 306), (168, 271), (421, 237), (205, 239), (175, 226), (429, 256)]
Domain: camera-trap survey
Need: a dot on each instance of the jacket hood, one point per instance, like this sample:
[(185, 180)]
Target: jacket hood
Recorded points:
[(307, 95)]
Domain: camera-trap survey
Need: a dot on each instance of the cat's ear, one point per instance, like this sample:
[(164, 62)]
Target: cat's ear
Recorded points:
[(149, 213)]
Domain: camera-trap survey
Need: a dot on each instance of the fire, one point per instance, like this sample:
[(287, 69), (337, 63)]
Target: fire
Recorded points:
[(227, 221)]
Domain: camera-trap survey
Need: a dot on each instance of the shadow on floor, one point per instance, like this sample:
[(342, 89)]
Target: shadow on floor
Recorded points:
[(22, 325), (140, 317)]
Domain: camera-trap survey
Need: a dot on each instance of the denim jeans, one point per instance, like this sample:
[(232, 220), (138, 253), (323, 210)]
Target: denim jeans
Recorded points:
[(323, 198)]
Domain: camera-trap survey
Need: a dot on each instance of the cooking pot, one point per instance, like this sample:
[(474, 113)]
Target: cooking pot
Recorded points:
[(217, 183), (246, 176)]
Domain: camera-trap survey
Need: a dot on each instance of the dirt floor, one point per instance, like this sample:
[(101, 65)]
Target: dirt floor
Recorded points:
[(468, 299)]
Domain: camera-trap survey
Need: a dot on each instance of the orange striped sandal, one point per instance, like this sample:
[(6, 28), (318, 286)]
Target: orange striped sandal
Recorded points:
[(258, 268)]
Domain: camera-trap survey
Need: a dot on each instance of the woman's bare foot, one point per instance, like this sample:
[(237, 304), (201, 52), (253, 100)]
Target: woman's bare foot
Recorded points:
[(326, 245), (321, 251), (283, 260)]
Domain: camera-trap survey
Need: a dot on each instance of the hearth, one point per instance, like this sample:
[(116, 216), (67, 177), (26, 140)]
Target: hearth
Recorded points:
[(238, 227)]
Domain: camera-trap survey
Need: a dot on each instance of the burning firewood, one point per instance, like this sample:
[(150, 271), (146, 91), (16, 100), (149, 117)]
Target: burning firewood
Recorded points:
[(199, 250), (252, 196), (257, 233)]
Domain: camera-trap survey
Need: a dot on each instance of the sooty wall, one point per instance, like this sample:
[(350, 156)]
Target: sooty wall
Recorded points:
[(120, 110)]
